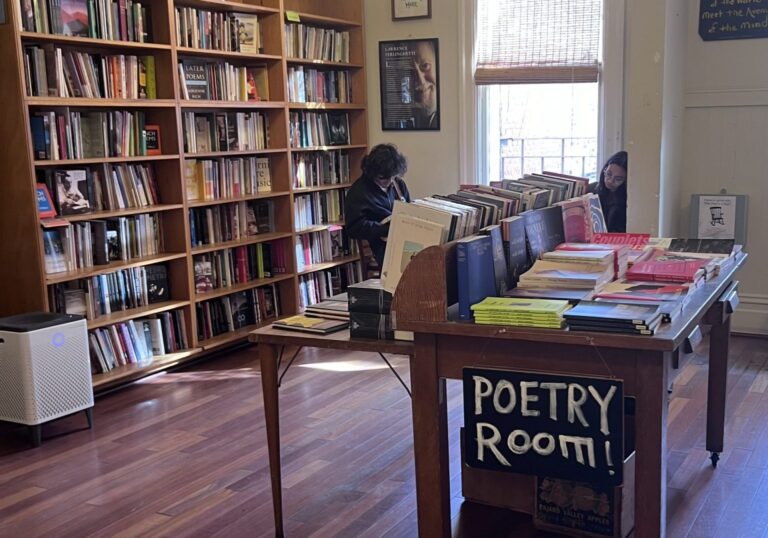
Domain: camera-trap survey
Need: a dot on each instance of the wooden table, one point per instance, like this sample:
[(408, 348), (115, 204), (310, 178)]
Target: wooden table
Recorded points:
[(271, 345), (443, 349)]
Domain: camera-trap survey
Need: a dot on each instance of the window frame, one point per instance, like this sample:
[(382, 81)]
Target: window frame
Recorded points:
[(475, 155)]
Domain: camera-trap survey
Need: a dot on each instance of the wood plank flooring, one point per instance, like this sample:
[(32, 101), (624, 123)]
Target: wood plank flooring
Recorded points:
[(184, 454)]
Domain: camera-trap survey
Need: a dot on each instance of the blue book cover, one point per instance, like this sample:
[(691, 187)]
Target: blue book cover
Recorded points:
[(499, 260), (476, 277), (38, 137), (516, 249)]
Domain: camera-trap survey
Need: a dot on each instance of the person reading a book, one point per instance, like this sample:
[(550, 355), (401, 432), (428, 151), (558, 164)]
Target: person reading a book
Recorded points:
[(369, 202), (612, 190)]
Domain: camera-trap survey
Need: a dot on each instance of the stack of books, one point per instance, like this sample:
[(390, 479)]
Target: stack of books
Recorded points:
[(520, 312), (561, 274), (614, 317), (620, 254), (336, 307), (369, 310), (307, 324), (665, 266), (670, 297)]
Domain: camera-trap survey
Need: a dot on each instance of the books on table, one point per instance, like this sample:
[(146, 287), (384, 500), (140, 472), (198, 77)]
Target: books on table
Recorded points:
[(476, 279), (554, 274), (407, 237), (310, 325), (520, 312), (614, 317), (662, 265), (336, 307)]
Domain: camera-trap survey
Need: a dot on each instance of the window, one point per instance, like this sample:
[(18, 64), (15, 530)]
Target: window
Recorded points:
[(537, 67)]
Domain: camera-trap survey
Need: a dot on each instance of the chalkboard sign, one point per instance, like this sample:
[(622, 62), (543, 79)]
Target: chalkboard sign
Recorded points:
[(533, 423), (733, 19)]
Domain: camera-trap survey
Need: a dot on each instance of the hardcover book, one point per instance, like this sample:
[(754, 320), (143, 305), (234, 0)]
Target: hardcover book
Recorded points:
[(476, 279), (310, 325), (72, 192), (704, 246), (499, 260), (157, 283), (513, 232), (203, 276), (196, 80), (263, 177), (632, 314), (248, 33), (74, 17), (407, 237), (667, 266), (596, 214), (544, 230)]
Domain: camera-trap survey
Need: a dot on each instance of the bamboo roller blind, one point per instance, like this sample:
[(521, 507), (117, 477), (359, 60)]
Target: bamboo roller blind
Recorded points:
[(537, 41)]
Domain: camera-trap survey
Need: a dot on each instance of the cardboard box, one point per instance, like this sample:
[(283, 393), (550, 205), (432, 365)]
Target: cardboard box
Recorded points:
[(370, 297)]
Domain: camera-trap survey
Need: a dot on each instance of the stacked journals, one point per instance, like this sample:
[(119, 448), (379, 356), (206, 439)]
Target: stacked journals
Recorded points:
[(335, 307), (520, 312), (614, 317), (560, 274)]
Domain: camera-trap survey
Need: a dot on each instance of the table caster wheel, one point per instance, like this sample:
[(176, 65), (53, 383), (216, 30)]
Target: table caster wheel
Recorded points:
[(715, 457)]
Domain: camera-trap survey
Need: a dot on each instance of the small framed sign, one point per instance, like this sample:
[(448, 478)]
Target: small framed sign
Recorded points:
[(411, 9), (551, 425)]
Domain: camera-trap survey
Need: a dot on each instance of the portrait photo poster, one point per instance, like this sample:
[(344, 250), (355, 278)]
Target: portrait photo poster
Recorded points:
[(410, 85)]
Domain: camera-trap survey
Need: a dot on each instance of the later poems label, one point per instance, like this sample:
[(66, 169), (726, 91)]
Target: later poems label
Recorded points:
[(549, 425)]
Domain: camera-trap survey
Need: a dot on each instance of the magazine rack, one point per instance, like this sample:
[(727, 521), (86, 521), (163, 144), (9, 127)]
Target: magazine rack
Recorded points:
[(443, 349)]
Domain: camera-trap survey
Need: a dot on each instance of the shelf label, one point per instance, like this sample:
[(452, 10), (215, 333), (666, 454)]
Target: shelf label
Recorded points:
[(292, 16)]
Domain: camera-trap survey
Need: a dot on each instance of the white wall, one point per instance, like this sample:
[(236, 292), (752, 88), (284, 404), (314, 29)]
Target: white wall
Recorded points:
[(725, 146), (433, 156)]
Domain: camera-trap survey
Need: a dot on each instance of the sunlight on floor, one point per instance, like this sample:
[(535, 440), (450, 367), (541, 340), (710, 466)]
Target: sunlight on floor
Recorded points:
[(205, 375), (346, 366)]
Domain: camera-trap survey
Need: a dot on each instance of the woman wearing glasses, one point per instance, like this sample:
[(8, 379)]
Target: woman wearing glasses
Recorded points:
[(612, 190), (369, 202)]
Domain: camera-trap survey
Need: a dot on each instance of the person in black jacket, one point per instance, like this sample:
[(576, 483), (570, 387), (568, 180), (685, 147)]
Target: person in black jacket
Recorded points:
[(612, 190), (369, 202)]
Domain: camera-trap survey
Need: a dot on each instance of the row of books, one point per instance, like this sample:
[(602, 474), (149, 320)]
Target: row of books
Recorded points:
[(108, 187), (113, 292), (55, 72), (321, 285), (209, 179), (219, 81), (234, 131), (236, 311), (213, 30), (311, 129), (521, 312), (87, 244), (84, 135), (317, 86), (318, 208), (311, 43), (137, 341), (323, 246), (123, 20), (317, 169), (227, 268), (230, 222)]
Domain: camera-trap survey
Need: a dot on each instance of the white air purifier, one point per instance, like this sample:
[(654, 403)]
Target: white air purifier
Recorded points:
[(45, 369)]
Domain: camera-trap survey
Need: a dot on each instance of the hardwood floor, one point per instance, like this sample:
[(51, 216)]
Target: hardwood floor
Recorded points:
[(184, 454)]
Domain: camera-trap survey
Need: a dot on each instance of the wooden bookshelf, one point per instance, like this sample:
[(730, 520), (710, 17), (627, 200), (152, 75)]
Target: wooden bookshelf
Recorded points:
[(24, 284)]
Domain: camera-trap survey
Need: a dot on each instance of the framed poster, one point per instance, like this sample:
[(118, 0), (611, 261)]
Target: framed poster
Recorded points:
[(409, 77), (719, 216), (411, 9)]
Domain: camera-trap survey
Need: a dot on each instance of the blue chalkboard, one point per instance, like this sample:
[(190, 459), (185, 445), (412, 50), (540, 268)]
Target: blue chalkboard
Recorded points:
[(733, 19)]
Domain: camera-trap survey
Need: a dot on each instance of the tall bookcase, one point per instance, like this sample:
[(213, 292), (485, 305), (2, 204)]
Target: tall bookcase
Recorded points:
[(24, 283)]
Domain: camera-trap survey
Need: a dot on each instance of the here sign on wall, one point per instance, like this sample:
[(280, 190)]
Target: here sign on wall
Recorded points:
[(533, 423)]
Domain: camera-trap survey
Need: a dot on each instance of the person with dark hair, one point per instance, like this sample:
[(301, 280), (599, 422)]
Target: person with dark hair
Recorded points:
[(612, 190), (369, 202)]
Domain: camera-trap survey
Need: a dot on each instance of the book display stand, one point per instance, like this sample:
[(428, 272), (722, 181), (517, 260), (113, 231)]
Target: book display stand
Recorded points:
[(443, 349)]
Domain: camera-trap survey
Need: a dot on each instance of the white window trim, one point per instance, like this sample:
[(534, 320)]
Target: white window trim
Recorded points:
[(473, 101)]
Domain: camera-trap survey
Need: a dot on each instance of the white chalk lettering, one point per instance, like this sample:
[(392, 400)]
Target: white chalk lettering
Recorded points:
[(525, 398), (578, 444), (480, 381), (516, 448), (553, 388), (603, 403), (543, 451), (504, 385), (574, 405), (490, 443)]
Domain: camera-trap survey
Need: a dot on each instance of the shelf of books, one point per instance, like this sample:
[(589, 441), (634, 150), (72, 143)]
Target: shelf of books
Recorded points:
[(177, 168)]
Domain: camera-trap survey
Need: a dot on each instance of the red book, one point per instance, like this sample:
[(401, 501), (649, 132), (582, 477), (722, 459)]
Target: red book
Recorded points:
[(576, 222), (660, 265)]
